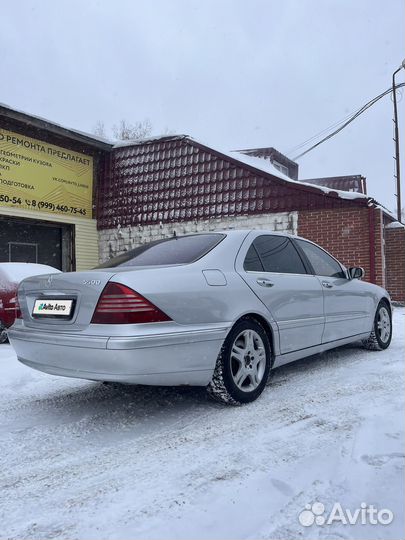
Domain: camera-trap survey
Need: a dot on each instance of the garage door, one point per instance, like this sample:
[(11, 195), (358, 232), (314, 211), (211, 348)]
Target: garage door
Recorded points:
[(34, 242)]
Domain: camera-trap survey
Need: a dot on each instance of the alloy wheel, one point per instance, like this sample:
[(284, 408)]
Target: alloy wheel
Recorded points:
[(248, 360), (384, 324)]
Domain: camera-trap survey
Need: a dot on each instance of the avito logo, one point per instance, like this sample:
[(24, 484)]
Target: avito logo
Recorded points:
[(314, 514)]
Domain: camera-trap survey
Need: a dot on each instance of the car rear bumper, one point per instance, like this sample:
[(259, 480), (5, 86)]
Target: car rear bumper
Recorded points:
[(175, 356)]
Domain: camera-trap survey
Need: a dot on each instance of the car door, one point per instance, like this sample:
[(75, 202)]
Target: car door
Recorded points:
[(274, 270), (347, 302)]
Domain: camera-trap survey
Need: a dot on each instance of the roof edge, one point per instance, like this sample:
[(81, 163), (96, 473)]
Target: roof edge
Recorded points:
[(56, 129), (282, 179), (149, 140)]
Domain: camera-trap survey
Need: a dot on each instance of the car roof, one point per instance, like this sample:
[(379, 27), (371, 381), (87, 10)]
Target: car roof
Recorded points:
[(234, 232)]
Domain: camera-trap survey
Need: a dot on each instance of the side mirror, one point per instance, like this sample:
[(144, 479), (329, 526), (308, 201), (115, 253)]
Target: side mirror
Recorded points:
[(356, 272)]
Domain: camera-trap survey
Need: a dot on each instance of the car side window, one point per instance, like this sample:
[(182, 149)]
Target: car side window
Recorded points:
[(252, 261), (322, 263), (276, 254)]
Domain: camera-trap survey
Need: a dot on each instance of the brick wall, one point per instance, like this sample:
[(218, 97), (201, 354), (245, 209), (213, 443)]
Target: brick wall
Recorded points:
[(395, 261), (345, 234), (115, 241)]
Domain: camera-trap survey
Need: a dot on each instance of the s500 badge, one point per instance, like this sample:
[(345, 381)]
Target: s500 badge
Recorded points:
[(91, 282)]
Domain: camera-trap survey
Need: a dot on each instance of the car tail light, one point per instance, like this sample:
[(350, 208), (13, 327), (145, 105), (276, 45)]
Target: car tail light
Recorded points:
[(119, 304), (13, 305)]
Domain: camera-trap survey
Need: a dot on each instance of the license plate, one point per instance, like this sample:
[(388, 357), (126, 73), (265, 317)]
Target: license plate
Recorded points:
[(52, 308)]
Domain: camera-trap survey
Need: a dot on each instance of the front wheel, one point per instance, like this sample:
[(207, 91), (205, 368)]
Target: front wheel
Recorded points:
[(243, 364), (381, 334)]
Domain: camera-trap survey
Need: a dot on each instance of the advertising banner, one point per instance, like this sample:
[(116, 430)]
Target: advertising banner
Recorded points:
[(35, 175)]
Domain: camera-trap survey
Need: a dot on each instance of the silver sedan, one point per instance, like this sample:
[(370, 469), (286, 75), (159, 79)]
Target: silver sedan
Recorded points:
[(218, 309)]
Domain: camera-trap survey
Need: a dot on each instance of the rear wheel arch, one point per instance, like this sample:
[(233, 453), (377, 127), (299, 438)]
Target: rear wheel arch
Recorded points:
[(386, 301), (264, 323), (243, 364)]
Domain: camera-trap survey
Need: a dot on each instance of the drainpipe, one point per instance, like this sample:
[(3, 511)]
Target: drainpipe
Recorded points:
[(371, 233)]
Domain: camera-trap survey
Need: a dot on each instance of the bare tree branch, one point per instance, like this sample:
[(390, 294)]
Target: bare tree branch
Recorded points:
[(125, 131), (99, 129)]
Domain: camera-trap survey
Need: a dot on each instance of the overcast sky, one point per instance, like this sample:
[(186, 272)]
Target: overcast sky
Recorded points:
[(233, 73)]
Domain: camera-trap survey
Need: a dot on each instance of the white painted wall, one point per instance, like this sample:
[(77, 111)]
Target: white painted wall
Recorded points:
[(115, 241)]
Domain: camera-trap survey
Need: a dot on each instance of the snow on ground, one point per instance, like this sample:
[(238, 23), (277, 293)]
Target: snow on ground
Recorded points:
[(80, 459)]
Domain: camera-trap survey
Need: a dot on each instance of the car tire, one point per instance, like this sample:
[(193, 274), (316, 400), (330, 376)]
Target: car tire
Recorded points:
[(381, 334), (3, 333), (243, 364)]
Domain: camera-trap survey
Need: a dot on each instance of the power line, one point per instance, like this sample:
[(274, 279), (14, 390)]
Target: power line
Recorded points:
[(346, 122), (335, 124)]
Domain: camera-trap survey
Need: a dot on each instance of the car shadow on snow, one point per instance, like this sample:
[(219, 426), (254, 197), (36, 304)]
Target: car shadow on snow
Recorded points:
[(109, 400), (100, 406), (91, 411), (338, 357)]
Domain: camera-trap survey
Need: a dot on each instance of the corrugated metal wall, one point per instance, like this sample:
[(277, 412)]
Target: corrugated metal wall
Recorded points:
[(177, 179), (86, 238)]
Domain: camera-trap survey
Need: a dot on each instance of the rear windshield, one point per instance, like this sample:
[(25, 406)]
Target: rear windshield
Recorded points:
[(176, 250)]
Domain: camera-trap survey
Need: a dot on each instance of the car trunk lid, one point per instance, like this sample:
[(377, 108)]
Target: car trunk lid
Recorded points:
[(84, 288)]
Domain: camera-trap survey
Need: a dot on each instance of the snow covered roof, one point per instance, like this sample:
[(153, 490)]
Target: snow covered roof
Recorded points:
[(266, 166), (353, 182), (42, 123), (121, 144), (395, 225), (259, 164)]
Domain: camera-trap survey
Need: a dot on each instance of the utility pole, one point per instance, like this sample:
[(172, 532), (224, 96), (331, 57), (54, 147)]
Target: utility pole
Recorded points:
[(396, 140)]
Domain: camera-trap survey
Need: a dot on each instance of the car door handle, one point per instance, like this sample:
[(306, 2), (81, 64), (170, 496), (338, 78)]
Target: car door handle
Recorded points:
[(327, 285), (264, 282)]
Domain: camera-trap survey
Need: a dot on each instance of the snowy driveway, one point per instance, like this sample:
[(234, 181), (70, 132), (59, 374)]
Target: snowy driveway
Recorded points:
[(82, 460)]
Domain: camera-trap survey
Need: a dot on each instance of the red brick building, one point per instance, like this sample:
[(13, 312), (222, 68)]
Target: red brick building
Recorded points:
[(175, 185)]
